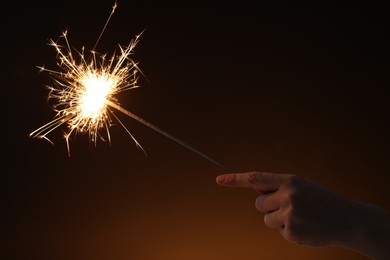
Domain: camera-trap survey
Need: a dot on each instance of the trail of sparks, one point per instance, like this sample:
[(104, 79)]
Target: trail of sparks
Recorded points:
[(85, 92)]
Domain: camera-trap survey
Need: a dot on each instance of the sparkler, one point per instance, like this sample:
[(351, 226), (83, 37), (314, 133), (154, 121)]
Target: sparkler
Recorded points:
[(85, 90)]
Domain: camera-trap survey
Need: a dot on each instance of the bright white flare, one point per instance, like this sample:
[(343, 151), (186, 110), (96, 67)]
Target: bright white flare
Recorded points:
[(95, 91)]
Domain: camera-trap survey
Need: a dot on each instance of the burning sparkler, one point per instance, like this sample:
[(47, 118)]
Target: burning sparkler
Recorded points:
[(85, 90)]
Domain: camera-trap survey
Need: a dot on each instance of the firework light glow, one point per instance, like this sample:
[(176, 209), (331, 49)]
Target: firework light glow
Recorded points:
[(85, 92)]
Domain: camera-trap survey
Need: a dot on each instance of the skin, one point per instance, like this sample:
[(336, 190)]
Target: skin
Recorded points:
[(307, 213)]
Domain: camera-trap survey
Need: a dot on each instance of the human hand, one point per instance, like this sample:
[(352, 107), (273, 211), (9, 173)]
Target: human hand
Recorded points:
[(310, 214), (304, 211)]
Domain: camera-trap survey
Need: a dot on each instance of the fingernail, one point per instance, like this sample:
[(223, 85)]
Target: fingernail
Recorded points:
[(221, 179)]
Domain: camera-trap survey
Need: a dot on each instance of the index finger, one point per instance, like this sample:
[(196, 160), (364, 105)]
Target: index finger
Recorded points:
[(261, 181)]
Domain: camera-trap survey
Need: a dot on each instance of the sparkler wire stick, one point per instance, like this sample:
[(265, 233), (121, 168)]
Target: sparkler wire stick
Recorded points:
[(166, 134), (83, 88)]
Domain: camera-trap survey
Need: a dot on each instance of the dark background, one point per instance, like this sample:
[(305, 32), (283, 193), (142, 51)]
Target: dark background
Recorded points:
[(277, 87)]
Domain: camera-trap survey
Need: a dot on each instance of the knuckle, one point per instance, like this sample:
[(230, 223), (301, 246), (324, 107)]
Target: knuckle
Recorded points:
[(259, 203), (271, 221), (231, 179), (295, 191), (292, 233), (267, 221), (253, 177), (293, 213), (292, 180), (285, 201), (294, 199), (294, 228)]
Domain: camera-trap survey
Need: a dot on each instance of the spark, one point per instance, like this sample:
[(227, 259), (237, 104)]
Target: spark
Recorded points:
[(83, 88), (85, 91)]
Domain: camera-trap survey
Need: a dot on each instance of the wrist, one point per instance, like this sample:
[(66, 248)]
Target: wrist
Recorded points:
[(366, 230)]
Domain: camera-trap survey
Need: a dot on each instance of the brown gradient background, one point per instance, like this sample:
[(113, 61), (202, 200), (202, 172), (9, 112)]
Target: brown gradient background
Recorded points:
[(271, 87)]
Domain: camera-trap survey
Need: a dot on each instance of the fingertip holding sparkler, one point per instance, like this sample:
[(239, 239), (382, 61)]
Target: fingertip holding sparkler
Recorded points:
[(85, 91)]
